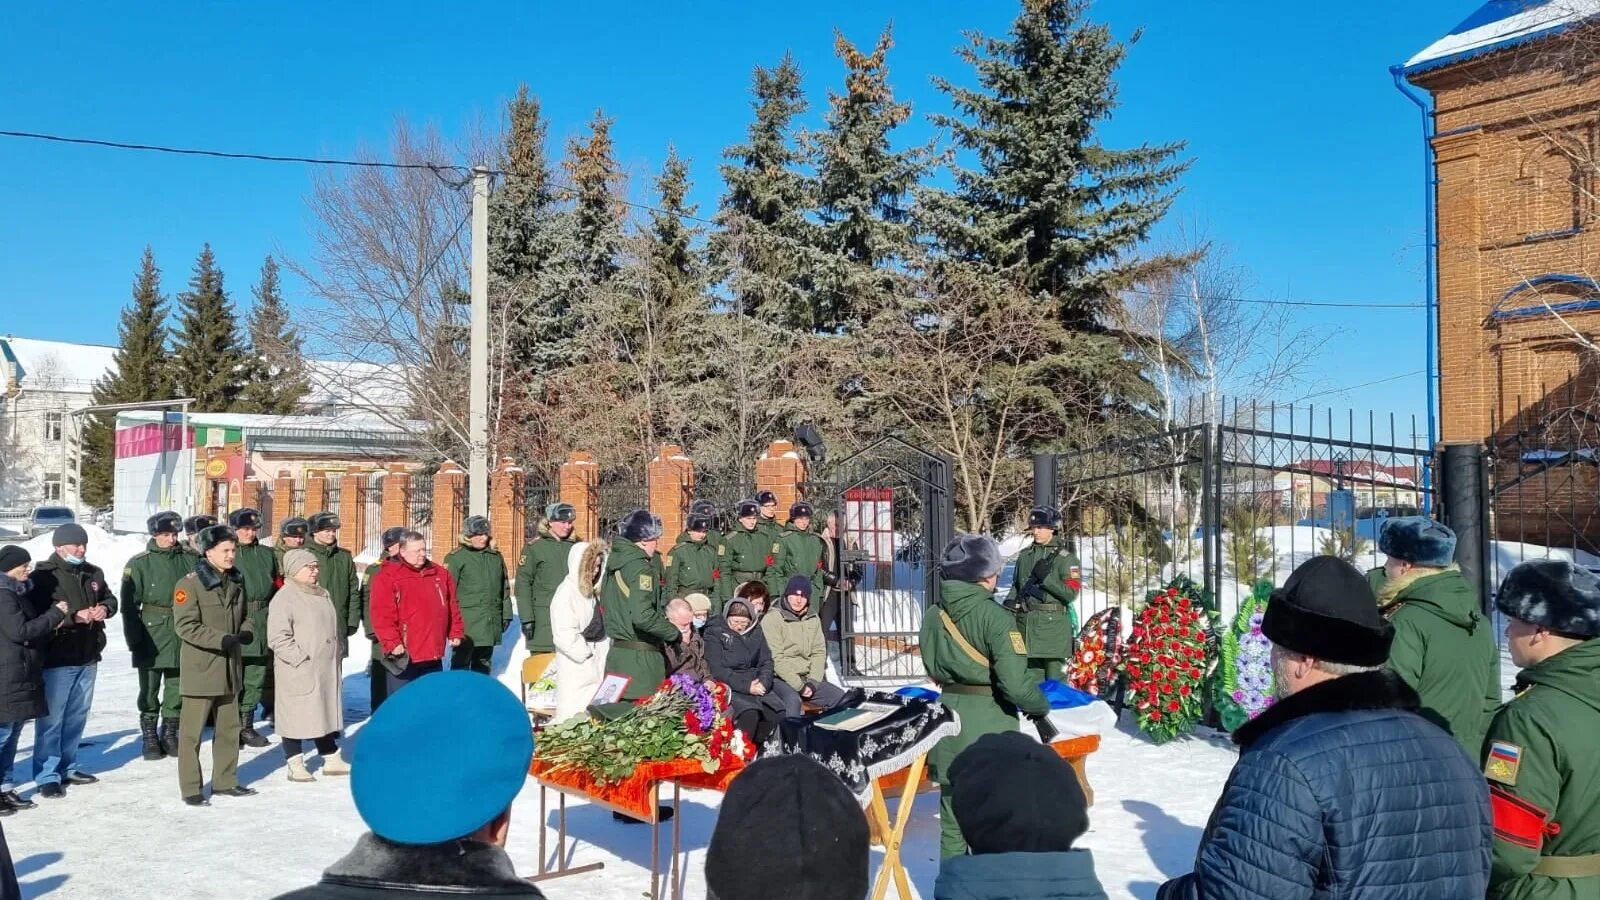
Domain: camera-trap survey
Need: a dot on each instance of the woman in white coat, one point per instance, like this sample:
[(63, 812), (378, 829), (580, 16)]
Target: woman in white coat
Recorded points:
[(307, 644), (580, 663)]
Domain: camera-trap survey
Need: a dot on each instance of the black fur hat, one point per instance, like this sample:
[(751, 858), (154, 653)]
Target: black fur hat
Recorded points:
[(167, 522), (971, 557), (294, 526), (1044, 517), (244, 518), (392, 536), (216, 534), (324, 521), (765, 497), (197, 524), (1553, 594), (640, 525), (699, 522), (746, 509), (1418, 540), (703, 508), (801, 510), (1326, 610)]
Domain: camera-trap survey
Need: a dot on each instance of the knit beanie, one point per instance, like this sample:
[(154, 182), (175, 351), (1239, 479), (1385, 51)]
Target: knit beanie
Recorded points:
[(297, 559), (788, 829), (11, 556), (1012, 794)]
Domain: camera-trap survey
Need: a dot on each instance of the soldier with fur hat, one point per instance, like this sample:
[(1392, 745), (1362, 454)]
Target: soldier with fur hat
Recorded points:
[(481, 591), (714, 535), (541, 570), (972, 650), (694, 564), (801, 551), (336, 572), (292, 534), (377, 675), (767, 509), (1542, 755), (1044, 584), (631, 596), (258, 566), (147, 584), (192, 527), (752, 552)]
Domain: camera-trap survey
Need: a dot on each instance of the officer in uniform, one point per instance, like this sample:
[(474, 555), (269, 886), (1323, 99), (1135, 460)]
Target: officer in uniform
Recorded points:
[(336, 572), (752, 553), (192, 527), (630, 595), (802, 551), (258, 566), (292, 534), (208, 612), (694, 565), (714, 535), (377, 675), (1542, 755), (481, 590), (540, 571), (147, 585), (971, 649), (1044, 583)]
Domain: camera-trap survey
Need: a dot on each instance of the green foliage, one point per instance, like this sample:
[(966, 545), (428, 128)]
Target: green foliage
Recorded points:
[(208, 355), (1124, 567), (1243, 683), (275, 367), (1345, 544), (1248, 554), (142, 371)]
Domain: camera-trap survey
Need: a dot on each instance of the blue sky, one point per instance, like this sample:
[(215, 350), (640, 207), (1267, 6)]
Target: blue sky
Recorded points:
[(1307, 162)]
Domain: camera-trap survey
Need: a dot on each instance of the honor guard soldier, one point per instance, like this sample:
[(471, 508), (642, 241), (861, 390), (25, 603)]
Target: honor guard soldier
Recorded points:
[(1044, 584), (377, 675), (714, 535), (482, 593), (694, 565), (292, 534), (630, 595), (147, 585), (336, 572), (540, 571), (752, 553), (802, 551), (258, 566), (192, 527)]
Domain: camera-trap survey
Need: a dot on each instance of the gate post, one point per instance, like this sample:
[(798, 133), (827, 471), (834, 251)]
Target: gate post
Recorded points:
[(939, 506), (1463, 483), (1045, 491)]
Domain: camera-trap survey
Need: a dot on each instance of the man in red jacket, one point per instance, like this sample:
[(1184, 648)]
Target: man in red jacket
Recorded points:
[(414, 613)]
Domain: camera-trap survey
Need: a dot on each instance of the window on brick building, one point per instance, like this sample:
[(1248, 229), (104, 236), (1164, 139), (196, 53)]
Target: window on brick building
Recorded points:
[(52, 490), (1551, 192)]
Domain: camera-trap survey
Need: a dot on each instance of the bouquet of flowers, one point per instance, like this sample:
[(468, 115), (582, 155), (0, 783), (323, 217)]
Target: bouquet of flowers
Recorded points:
[(1097, 663), (1244, 680), (1167, 662), (683, 719)]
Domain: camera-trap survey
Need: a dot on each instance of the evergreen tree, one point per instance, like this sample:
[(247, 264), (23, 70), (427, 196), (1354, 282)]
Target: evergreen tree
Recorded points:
[(863, 188), (1049, 203), (275, 368), (764, 247), (596, 215), (208, 356), (674, 258), (141, 371)]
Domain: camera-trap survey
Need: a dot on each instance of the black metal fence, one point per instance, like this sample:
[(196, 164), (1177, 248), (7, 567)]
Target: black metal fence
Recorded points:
[(372, 536), (611, 500), (537, 494), (419, 501), (335, 495)]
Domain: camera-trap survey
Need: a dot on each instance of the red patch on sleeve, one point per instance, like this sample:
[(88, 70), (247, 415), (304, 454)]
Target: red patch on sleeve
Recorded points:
[(769, 559), (1516, 821), (180, 596), (716, 574), (1074, 583)]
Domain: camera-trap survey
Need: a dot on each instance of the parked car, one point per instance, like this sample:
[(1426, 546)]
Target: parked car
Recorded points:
[(103, 517), (49, 518)]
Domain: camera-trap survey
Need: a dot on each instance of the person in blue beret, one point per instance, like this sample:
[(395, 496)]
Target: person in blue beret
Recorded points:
[(434, 774)]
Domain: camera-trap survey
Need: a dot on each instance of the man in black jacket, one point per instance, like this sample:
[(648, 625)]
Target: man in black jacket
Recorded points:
[(71, 659)]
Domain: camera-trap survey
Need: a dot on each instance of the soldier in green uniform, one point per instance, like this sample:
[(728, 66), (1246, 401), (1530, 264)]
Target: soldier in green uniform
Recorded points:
[(802, 551), (208, 612), (693, 565), (539, 572), (972, 650), (714, 535), (767, 507), (1044, 584), (336, 572), (192, 527), (147, 585), (752, 553), (292, 535), (630, 596), (480, 575), (1542, 754), (1444, 645), (377, 675), (258, 566)]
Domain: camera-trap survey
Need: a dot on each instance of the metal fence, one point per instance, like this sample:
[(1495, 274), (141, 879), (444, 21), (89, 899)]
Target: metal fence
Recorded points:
[(419, 501), (372, 536), (537, 493), (335, 495), (612, 500)]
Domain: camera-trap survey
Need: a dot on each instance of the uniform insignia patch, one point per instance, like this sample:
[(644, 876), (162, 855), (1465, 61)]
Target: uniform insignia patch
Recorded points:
[(666, 560), (1018, 645), (775, 548), (1503, 762), (522, 560), (721, 550), (180, 596), (128, 572), (644, 582)]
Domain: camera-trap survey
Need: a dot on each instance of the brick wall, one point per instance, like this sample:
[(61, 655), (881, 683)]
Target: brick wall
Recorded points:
[(671, 476), (579, 477), (449, 508), (780, 470)]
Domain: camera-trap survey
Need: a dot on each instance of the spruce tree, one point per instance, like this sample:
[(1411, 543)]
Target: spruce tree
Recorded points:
[(208, 356), (591, 166), (1049, 203), (275, 368), (141, 371)]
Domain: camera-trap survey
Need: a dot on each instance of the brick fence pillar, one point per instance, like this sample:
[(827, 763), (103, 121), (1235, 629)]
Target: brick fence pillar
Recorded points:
[(353, 511), (449, 507), (396, 489), (506, 511), (780, 470), (671, 482), (250, 496), (282, 501), (316, 493), (579, 476)]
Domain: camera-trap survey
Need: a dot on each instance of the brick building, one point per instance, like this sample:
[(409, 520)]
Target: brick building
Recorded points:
[(1515, 96)]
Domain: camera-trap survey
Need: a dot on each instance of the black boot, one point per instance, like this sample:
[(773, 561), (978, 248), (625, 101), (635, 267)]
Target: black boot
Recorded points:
[(169, 737), (247, 735), (151, 743)]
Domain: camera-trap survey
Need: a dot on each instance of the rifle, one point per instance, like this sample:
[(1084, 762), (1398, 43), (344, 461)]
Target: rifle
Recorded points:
[(1033, 588)]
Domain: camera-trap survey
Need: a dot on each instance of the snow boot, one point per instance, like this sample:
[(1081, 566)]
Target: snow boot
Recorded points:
[(334, 764), (297, 769), (169, 737), (248, 736), (151, 744)]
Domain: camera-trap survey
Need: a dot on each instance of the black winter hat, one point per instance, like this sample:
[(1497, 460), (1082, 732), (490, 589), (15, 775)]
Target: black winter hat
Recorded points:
[(197, 524), (560, 512), (1418, 540), (970, 557), (70, 533), (640, 525), (167, 522), (798, 584), (13, 555), (324, 521), (765, 497), (294, 526), (788, 829), (699, 522), (1044, 517), (746, 509), (703, 508), (1553, 594), (1326, 610), (244, 518), (473, 526), (1012, 794), (800, 510), (392, 536), (216, 534)]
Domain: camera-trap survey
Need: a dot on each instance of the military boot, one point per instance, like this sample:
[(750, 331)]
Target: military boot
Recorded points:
[(151, 745), (169, 737), (248, 736)]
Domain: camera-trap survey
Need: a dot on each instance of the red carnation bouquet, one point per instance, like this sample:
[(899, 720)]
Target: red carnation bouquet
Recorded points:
[(1096, 664), (1167, 662)]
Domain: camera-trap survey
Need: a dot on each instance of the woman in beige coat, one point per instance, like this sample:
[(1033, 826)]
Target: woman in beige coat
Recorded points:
[(307, 646), (580, 662)]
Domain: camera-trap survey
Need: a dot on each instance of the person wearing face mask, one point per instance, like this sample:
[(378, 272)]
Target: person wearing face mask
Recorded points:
[(21, 665), (689, 654), (700, 606), (71, 659)]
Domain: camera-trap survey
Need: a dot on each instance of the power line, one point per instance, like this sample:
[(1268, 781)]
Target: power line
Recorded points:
[(1326, 304), (1352, 387)]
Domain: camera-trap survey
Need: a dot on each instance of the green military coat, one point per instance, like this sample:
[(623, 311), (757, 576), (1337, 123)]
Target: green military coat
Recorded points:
[(1048, 624), (693, 566), (207, 606), (539, 572), (1542, 760), (481, 590), (751, 557), (146, 604), (630, 594), (336, 573), (801, 553), (991, 631), (772, 529), (258, 566), (366, 607)]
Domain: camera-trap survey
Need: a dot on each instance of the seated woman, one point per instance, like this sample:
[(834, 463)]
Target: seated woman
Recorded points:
[(738, 655), (757, 596), (799, 654)]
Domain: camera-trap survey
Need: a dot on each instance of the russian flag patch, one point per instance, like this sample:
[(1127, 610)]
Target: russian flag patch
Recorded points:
[(1503, 762)]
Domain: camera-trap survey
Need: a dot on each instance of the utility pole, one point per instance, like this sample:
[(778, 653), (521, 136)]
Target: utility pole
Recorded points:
[(478, 420)]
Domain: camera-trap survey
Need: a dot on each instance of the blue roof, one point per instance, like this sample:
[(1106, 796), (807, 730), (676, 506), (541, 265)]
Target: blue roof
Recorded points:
[(1499, 24)]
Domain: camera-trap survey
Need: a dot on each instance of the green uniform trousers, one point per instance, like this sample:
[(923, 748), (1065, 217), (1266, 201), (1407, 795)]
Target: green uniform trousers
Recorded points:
[(158, 693), (224, 744), (471, 656), (1040, 669), (951, 843), (257, 684)]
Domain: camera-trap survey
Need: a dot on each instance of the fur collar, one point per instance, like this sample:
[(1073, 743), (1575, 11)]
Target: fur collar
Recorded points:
[(461, 866), (210, 578), (1382, 689), (1392, 587)]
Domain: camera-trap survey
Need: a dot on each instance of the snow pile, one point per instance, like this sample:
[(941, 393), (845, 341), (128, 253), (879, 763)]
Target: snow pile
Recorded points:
[(110, 552)]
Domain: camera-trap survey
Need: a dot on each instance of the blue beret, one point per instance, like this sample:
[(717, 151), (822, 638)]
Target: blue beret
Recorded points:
[(441, 758)]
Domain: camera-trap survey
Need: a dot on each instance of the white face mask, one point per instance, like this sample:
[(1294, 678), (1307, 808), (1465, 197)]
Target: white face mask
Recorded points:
[(699, 621), (74, 560)]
